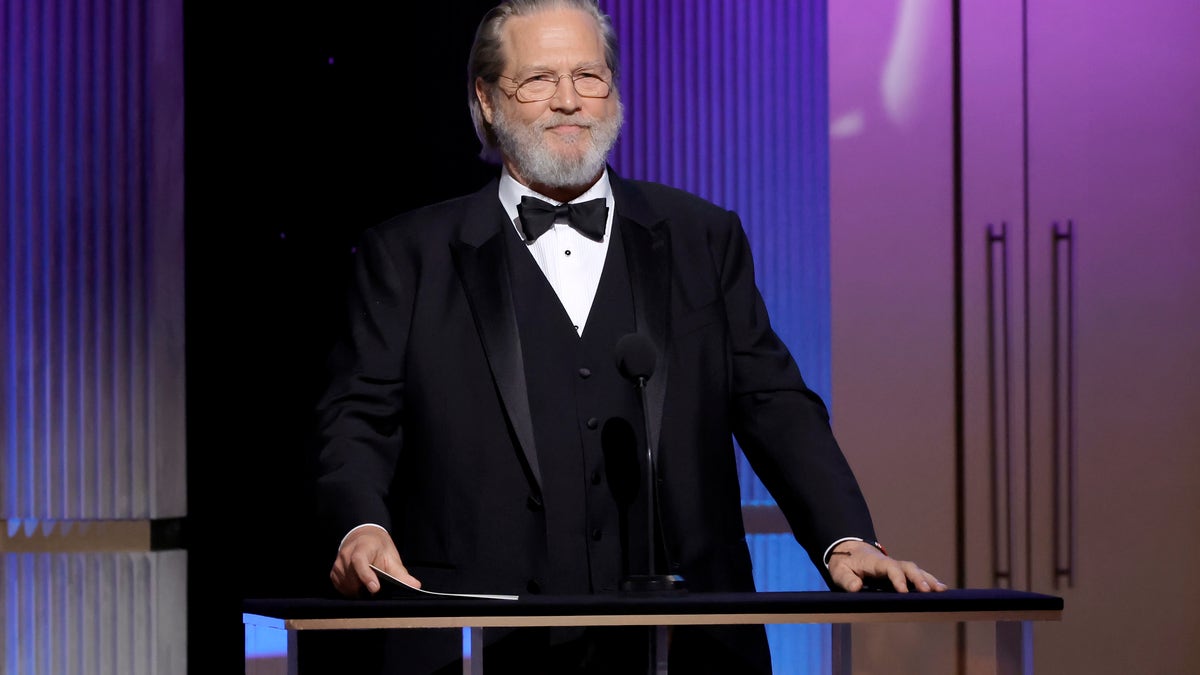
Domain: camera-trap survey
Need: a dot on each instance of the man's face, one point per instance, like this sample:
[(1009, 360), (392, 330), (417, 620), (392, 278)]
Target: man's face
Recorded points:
[(562, 141)]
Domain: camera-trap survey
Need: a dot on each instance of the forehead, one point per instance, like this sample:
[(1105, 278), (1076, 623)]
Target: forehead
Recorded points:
[(559, 38)]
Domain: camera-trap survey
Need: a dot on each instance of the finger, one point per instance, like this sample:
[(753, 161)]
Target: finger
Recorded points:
[(409, 578), (845, 578), (896, 574), (392, 564), (364, 575), (346, 584), (934, 584), (924, 581), (921, 580), (914, 576)]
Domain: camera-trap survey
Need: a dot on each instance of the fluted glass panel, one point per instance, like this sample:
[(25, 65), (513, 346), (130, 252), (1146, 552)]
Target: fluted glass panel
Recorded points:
[(729, 99), (91, 325), (92, 391), (94, 614)]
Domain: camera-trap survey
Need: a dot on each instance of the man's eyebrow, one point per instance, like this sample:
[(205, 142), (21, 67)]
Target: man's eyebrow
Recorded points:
[(590, 65)]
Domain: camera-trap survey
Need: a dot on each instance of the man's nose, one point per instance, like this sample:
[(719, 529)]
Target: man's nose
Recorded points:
[(565, 97)]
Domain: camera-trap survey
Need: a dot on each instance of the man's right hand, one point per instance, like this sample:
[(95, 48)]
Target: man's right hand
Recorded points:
[(366, 546)]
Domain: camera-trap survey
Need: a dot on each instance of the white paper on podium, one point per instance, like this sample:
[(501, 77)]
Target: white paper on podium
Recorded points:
[(399, 589)]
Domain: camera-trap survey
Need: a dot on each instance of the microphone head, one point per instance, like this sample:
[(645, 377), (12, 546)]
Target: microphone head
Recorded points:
[(636, 357)]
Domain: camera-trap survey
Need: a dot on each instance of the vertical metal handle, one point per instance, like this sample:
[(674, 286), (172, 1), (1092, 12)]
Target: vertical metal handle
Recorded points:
[(999, 407), (1062, 350)]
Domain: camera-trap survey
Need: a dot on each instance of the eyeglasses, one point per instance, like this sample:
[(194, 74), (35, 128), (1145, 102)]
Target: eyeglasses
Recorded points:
[(542, 87)]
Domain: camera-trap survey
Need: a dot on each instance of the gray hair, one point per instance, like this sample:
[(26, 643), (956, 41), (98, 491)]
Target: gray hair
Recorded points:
[(487, 61)]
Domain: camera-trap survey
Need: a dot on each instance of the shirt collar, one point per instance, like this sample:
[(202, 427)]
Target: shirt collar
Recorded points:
[(511, 193)]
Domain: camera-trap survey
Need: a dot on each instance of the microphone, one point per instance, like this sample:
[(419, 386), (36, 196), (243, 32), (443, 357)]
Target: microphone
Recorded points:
[(636, 360)]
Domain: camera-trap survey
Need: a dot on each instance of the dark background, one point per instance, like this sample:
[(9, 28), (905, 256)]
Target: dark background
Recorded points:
[(288, 158)]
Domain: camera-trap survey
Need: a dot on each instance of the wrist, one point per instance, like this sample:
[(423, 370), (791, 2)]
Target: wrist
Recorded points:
[(846, 546)]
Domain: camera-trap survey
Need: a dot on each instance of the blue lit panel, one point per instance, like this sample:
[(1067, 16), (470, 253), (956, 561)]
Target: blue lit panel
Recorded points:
[(266, 641)]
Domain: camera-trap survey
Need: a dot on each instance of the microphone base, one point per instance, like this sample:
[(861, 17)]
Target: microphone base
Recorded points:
[(653, 583)]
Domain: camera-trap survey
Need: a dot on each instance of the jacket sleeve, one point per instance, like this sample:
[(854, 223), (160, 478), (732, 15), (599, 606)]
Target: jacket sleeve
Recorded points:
[(360, 414), (781, 425)]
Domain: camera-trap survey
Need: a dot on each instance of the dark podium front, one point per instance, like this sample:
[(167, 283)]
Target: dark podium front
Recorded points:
[(1012, 611)]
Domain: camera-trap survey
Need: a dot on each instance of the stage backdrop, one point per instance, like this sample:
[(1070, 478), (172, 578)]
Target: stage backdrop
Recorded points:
[(303, 126), (729, 99)]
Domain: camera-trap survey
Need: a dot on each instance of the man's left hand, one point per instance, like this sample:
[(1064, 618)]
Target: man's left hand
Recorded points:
[(853, 562)]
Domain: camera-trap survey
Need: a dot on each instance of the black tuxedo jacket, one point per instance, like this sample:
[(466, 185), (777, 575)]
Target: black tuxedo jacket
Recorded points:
[(426, 429)]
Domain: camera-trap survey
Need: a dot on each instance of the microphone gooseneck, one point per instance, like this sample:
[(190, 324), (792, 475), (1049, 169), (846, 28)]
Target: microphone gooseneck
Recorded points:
[(636, 360)]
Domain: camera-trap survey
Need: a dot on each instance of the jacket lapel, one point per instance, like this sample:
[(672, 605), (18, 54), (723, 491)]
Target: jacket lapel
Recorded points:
[(648, 252), (482, 265)]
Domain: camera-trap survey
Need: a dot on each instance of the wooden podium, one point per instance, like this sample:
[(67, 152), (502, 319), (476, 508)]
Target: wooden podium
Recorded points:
[(1012, 611)]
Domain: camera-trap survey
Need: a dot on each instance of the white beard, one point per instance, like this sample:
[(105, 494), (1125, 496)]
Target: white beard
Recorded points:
[(536, 162)]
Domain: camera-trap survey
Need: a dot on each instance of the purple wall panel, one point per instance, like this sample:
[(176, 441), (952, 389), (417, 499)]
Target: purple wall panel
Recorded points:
[(92, 258), (91, 317), (729, 99)]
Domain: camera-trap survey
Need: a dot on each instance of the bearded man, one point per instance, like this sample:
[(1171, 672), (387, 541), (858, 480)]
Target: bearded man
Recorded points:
[(476, 427)]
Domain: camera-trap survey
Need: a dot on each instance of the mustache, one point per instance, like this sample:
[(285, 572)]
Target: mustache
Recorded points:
[(559, 119)]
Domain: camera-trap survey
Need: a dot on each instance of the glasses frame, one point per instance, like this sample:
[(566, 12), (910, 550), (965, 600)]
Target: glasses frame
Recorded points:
[(575, 77)]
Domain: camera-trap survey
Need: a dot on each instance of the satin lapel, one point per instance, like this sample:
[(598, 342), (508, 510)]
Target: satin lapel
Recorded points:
[(483, 268), (647, 250)]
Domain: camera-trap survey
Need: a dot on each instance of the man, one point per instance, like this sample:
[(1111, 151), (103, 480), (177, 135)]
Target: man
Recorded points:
[(477, 434)]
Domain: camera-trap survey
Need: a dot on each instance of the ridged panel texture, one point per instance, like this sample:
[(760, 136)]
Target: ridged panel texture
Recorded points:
[(91, 260), (94, 614), (91, 325), (729, 99)]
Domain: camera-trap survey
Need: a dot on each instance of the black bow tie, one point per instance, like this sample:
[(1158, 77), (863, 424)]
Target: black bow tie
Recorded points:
[(537, 216)]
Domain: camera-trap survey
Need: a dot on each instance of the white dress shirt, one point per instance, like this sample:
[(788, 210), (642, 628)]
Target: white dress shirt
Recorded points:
[(571, 262)]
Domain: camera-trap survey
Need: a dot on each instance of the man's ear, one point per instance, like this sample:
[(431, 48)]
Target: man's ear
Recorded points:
[(485, 102)]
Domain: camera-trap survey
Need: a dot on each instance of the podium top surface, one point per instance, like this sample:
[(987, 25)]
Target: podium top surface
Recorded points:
[(649, 609)]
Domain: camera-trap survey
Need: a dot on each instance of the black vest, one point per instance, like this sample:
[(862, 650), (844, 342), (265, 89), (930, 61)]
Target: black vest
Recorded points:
[(588, 428)]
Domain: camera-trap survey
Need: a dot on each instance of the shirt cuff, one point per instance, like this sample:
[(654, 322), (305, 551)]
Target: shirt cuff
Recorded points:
[(829, 550), (359, 527)]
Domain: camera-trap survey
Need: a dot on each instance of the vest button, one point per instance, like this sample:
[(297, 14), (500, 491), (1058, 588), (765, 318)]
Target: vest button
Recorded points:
[(596, 534), (533, 586), (585, 373), (595, 476), (592, 423), (534, 503)]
